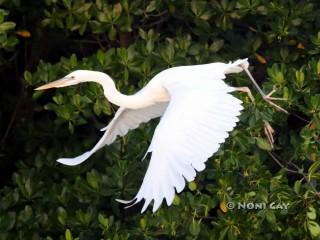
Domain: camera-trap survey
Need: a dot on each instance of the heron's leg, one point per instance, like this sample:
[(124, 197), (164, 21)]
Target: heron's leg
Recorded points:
[(266, 97), (246, 90), (268, 130)]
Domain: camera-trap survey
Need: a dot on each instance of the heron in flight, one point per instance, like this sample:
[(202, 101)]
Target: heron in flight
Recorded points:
[(197, 112)]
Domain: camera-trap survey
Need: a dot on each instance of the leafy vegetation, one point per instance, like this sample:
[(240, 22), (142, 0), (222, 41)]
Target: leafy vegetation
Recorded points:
[(132, 41)]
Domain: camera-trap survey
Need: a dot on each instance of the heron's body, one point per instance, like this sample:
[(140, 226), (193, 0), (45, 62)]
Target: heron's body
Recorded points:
[(197, 112)]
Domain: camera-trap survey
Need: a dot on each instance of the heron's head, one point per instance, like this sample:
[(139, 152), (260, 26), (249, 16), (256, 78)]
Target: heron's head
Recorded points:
[(72, 78)]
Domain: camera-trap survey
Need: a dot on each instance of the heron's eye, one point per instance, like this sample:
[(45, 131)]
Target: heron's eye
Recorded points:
[(72, 77)]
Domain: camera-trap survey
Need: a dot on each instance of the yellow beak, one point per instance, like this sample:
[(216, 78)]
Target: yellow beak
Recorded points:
[(63, 82)]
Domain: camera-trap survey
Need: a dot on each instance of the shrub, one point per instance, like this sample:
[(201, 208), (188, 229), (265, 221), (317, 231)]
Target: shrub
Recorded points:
[(132, 41)]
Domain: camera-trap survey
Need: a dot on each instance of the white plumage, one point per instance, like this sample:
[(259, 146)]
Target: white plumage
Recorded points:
[(197, 113)]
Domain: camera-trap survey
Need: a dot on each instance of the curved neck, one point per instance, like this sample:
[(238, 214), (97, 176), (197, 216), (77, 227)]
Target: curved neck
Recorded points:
[(139, 100)]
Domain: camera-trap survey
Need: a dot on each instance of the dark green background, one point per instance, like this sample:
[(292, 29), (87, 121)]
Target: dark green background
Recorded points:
[(132, 41)]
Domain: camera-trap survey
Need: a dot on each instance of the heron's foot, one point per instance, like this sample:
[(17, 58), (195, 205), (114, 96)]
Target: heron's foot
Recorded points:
[(269, 100), (246, 90), (269, 131), (268, 96)]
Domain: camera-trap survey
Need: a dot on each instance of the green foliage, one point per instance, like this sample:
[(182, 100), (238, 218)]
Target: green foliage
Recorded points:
[(7, 38), (5, 28), (132, 41)]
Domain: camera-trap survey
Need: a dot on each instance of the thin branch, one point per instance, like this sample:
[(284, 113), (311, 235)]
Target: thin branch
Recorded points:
[(299, 117), (281, 165), (163, 19), (297, 171), (155, 15), (85, 41), (99, 42)]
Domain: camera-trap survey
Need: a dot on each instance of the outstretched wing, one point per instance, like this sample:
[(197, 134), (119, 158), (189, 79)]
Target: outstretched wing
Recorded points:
[(124, 120), (199, 116)]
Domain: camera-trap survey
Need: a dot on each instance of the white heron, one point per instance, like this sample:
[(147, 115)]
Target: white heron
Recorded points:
[(197, 112)]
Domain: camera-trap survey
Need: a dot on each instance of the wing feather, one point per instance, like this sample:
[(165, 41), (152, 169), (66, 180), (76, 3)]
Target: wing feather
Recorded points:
[(124, 120), (197, 120)]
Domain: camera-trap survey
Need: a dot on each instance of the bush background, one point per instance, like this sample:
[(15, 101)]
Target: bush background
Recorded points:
[(41, 41)]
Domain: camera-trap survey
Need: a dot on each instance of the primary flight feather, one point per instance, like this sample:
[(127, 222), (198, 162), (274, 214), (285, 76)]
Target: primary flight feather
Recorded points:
[(197, 112)]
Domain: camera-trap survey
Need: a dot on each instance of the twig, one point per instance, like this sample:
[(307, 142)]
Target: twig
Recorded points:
[(297, 171), (299, 117), (85, 41), (154, 15), (281, 165), (99, 42), (165, 18)]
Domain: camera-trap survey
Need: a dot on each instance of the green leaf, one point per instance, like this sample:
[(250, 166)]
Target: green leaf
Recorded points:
[(297, 186), (314, 228), (192, 186), (76, 100), (279, 77), (271, 217), (300, 78), (104, 222), (168, 53), (176, 200), (28, 187), (315, 103), (6, 26), (83, 7), (68, 235), (151, 6), (117, 9), (97, 108), (73, 61), (315, 167), (27, 77), (195, 227), (63, 112), (150, 46), (62, 215), (143, 223), (3, 14), (263, 144), (312, 214), (92, 179), (112, 33), (252, 194), (8, 221), (143, 34), (67, 4), (206, 15), (216, 45), (26, 214), (198, 7), (84, 218), (105, 107), (58, 99)]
